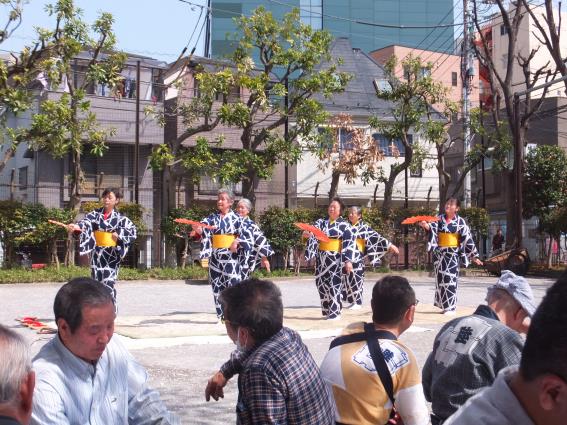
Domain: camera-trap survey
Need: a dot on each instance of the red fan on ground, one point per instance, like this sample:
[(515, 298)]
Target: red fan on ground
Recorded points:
[(194, 223), (418, 218), (319, 234)]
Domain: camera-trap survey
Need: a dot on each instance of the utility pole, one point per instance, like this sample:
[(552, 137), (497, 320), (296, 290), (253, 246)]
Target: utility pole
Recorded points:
[(467, 72), (286, 137), (207, 50), (137, 138)]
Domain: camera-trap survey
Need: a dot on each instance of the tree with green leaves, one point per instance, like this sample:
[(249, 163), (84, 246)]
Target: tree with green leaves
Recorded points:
[(545, 188), (412, 101), (65, 124), (277, 60), (18, 71), (273, 60), (200, 113)]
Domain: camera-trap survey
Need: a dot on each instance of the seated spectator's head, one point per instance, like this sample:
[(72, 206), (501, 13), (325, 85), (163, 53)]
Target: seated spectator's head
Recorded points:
[(85, 315), (17, 379), (252, 311), (393, 302), (512, 299), (544, 358)]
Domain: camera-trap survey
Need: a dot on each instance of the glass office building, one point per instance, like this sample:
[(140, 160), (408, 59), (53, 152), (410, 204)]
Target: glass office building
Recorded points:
[(354, 19)]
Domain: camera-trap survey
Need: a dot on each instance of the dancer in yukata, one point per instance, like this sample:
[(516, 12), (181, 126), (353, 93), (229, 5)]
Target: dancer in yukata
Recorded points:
[(332, 258), (221, 245), (369, 244), (451, 241), (261, 249), (106, 235)]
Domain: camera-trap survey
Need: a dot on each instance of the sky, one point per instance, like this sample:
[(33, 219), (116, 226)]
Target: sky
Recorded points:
[(156, 28)]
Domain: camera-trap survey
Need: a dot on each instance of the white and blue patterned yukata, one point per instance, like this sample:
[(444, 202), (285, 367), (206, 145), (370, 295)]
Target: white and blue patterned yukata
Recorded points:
[(329, 264), (225, 268), (446, 260), (105, 260), (250, 259), (375, 247)]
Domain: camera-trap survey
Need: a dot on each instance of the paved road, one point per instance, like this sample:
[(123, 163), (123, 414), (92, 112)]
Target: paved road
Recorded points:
[(180, 366)]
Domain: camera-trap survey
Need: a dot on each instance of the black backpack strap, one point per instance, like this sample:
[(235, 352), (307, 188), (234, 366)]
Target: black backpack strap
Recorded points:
[(379, 360), (361, 336), (347, 339)]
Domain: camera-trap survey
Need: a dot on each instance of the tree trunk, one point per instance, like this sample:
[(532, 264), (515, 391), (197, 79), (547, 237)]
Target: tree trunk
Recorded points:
[(184, 253), (168, 204), (550, 252), (249, 186), (511, 241), (388, 190), (74, 201), (334, 185), (8, 155)]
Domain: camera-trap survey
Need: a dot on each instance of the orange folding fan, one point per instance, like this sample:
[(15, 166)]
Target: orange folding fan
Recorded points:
[(194, 223), (318, 233), (418, 218)]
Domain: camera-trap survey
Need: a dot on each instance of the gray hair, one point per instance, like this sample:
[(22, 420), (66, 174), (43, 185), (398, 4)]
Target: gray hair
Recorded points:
[(246, 203), (356, 209), (15, 365), (227, 191)]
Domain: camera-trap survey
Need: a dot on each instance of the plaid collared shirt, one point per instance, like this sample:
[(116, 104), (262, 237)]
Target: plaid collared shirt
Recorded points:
[(280, 383)]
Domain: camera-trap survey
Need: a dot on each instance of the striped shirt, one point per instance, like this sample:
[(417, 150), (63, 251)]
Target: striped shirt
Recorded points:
[(69, 390), (280, 383)]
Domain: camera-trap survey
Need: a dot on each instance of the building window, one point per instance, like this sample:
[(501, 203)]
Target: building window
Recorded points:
[(23, 177), (382, 84), (232, 97), (454, 79), (424, 72), (311, 13), (345, 140), (503, 30), (391, 147)]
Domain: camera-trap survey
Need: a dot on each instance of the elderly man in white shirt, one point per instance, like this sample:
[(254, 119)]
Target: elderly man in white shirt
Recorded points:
[(83, 375)]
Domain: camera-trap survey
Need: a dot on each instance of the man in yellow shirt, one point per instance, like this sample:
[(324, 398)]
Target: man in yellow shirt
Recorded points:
[(350, 367)]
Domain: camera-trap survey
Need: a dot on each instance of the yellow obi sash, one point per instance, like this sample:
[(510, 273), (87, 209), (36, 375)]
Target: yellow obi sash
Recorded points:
[(334, 245), (361, 244), (104, 238), (223, 241), (448, 240)]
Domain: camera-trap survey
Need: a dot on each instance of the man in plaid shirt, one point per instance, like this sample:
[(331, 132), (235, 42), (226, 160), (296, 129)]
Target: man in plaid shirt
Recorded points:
[(279, 382), (469, 351)]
